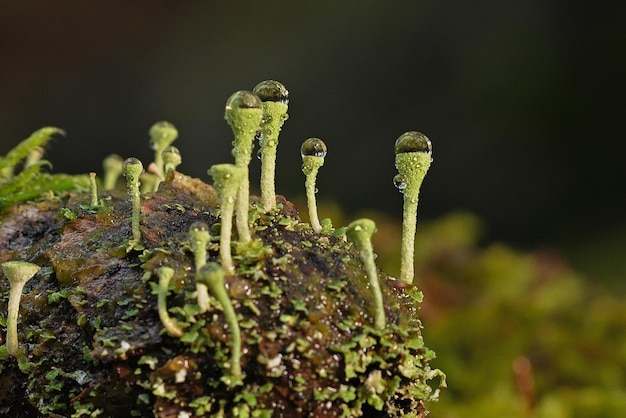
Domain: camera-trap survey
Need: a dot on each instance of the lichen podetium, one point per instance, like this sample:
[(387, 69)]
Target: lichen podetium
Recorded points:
[(413, 157), (152, 305)]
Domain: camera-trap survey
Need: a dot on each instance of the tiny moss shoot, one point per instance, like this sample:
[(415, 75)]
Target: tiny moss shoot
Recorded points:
[(227, 179), (243, 113), (165, 276), (199, 238), (162, 135), (18, 273), (212, 275), (34, 156), (360, 234), (132, 170), (93, 189), (413, 157), (275, 98), (112, 166), (24, 149), (171, 159), (313, 152)]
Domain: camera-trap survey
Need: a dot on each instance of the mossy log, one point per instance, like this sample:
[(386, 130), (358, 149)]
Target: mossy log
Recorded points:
[(94, 344)]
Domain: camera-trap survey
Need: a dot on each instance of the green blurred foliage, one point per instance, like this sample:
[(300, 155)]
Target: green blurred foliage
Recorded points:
[(517, 334)]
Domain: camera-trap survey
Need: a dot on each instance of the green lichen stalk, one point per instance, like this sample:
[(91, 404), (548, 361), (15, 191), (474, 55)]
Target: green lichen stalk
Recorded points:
[(199, 238), (93, 189), (360, 234), (18, 273), (227, 179), (313, 152), (243, 113), (113, 166), (212, 275), (132, 170), (413, 157), (162, 135), (275, 98), (171, 159), (165, 276)]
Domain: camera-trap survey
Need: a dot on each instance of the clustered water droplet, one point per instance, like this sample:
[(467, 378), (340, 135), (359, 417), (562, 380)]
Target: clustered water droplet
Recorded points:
[(272, 91), (413, 141), (313, 147), (243, 100)]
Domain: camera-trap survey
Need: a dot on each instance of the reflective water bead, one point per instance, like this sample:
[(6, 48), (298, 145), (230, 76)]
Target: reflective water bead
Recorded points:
[(313, 147), (400, 182), (198, 226), (132, 166), (413, 141), (272, 91), (243, 100), (172, 155)]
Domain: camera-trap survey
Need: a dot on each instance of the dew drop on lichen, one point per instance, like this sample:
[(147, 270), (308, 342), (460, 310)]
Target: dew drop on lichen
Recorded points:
[(243, 100), (198, 226), (130, 164), (313, 147), (171, 151), (413, 142), (400, 182), (272, 91)]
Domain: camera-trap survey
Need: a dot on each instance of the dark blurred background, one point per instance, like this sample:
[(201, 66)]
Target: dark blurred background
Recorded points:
[(524, 101)]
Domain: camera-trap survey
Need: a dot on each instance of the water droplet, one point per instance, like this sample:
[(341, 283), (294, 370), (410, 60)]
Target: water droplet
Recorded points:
[(313, 147), (400, 182), (171, 152), (198, 226), (132, 168), (243, 100), (272, 91), (413, 142)]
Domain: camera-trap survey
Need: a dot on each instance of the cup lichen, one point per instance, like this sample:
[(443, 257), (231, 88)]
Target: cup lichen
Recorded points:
[(113, 166), (199, 238), (413, 157), (132, 170), (360, 233), (165, 276), (227, 179), (243, 112), (171, 159), (18, 273), (162, 134), (212, 276), (93, 189), (313, 152), (275, 98)]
